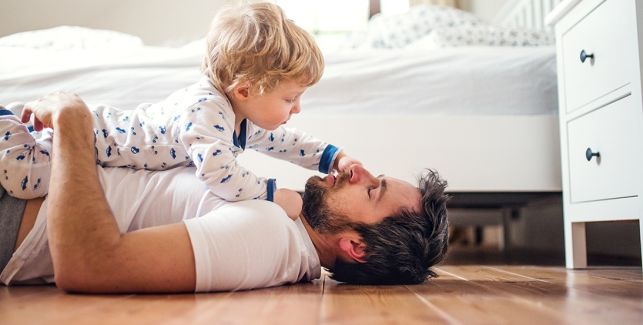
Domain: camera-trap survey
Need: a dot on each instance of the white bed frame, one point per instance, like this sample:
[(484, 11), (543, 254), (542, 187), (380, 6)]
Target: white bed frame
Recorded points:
[(526, 13), (473, 153)]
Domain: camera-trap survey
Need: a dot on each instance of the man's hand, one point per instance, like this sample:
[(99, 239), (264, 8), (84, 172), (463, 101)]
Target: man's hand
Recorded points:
[(290, 201), (48, 109), (343, 162)]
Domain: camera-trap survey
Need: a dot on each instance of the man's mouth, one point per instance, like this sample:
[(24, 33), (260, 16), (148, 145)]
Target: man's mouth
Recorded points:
[(330, 180), (338, 179)]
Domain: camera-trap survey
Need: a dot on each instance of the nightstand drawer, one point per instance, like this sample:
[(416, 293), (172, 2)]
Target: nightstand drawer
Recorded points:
[(610, 138), (599, 53)]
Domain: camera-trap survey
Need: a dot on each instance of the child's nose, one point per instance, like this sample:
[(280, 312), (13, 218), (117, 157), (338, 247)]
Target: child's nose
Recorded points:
[(296, 108)]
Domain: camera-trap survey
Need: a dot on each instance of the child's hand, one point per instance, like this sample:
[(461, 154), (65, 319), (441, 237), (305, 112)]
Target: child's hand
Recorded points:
[(290, 201), (343, 162)]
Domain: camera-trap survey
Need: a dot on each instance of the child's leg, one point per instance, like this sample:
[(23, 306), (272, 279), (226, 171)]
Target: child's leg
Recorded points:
[(24, 160)]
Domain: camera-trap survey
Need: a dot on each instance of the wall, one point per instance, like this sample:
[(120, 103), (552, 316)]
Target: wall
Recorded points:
[(157, 22)]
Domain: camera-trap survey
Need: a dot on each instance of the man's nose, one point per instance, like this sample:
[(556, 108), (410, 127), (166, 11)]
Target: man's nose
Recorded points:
[(361, 175)]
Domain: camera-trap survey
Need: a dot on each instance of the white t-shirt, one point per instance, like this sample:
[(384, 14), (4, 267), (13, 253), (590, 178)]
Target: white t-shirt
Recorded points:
[(240, 245)]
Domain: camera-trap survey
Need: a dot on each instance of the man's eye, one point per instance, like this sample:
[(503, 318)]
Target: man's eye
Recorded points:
[(369, 192)]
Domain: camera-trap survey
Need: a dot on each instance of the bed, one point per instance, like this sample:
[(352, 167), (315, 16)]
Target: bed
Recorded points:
[(484, 117)]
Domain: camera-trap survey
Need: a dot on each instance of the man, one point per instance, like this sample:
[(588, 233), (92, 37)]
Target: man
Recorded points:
[(163, 232)]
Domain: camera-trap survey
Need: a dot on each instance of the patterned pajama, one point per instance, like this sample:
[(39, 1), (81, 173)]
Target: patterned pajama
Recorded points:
[(193, 126)]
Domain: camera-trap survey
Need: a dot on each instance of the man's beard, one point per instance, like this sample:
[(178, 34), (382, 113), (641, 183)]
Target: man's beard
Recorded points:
[(316, 210)]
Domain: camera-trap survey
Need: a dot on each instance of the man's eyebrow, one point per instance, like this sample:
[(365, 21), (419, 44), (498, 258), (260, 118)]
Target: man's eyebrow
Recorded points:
[(384, 186)]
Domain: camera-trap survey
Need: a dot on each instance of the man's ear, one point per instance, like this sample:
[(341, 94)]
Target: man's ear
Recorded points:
[(355, 248), (241, 91)]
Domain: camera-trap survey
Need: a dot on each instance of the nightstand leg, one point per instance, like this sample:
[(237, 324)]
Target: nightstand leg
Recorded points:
[(641, 235), (575, 245)]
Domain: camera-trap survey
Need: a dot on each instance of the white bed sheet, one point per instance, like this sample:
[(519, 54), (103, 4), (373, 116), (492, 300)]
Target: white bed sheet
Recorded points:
[(456, 81)]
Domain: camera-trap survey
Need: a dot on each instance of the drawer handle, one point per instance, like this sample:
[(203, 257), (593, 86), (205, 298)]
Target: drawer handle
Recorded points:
[(589, 154), (584, 56)]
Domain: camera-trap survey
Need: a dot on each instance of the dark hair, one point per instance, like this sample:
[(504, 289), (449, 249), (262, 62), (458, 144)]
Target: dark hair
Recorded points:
[(402, 248)]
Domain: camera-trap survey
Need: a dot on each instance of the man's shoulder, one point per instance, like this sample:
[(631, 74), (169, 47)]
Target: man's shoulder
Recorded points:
[(261, 222), (264, 214), (249, 244)]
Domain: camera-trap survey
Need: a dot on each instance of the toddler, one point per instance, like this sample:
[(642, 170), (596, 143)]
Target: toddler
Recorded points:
[(257, 66)]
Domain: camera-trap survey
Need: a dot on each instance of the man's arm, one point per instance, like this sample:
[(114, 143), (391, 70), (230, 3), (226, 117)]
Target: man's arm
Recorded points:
[(88, 252)]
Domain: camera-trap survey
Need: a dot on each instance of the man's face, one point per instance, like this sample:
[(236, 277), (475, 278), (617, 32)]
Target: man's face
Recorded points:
[(332, 203)]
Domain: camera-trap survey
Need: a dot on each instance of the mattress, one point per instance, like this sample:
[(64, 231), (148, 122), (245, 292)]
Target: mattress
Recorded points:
[(450, 81)]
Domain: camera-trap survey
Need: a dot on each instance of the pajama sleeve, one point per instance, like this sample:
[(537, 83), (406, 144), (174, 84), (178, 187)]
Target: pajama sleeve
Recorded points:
[(295, 146), (207, 132)]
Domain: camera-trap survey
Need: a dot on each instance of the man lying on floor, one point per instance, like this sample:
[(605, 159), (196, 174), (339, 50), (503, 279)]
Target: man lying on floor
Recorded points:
[(120, 230)]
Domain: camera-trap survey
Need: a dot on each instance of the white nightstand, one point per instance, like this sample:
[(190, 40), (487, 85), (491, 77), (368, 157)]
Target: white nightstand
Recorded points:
[(598, 44)]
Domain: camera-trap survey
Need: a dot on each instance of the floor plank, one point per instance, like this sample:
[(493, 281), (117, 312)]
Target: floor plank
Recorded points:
[(463, 294), (472, 299), (354, 304), (630, 274), (573, 295), (279, 305)]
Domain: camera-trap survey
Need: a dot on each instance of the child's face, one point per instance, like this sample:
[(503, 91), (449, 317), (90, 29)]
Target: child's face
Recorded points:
[(275, 107)]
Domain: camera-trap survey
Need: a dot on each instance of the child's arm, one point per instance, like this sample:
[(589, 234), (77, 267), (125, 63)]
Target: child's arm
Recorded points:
[(218, 168), (207, 137), (294, 146)]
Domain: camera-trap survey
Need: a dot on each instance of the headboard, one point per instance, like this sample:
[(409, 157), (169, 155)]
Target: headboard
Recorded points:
[(525, 13)]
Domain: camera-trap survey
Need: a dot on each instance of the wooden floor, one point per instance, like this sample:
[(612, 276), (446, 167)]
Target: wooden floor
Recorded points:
[(463, 294)]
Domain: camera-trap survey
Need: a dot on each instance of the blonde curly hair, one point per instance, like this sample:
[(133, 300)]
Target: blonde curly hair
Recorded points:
[(256, 43)]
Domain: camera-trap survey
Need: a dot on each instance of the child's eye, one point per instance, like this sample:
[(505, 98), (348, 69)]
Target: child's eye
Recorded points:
[(290, 100), (369, 192)]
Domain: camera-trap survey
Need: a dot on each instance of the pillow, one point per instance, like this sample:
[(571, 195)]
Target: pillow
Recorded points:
[(396, 31), (71, 37), (489, 36)]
